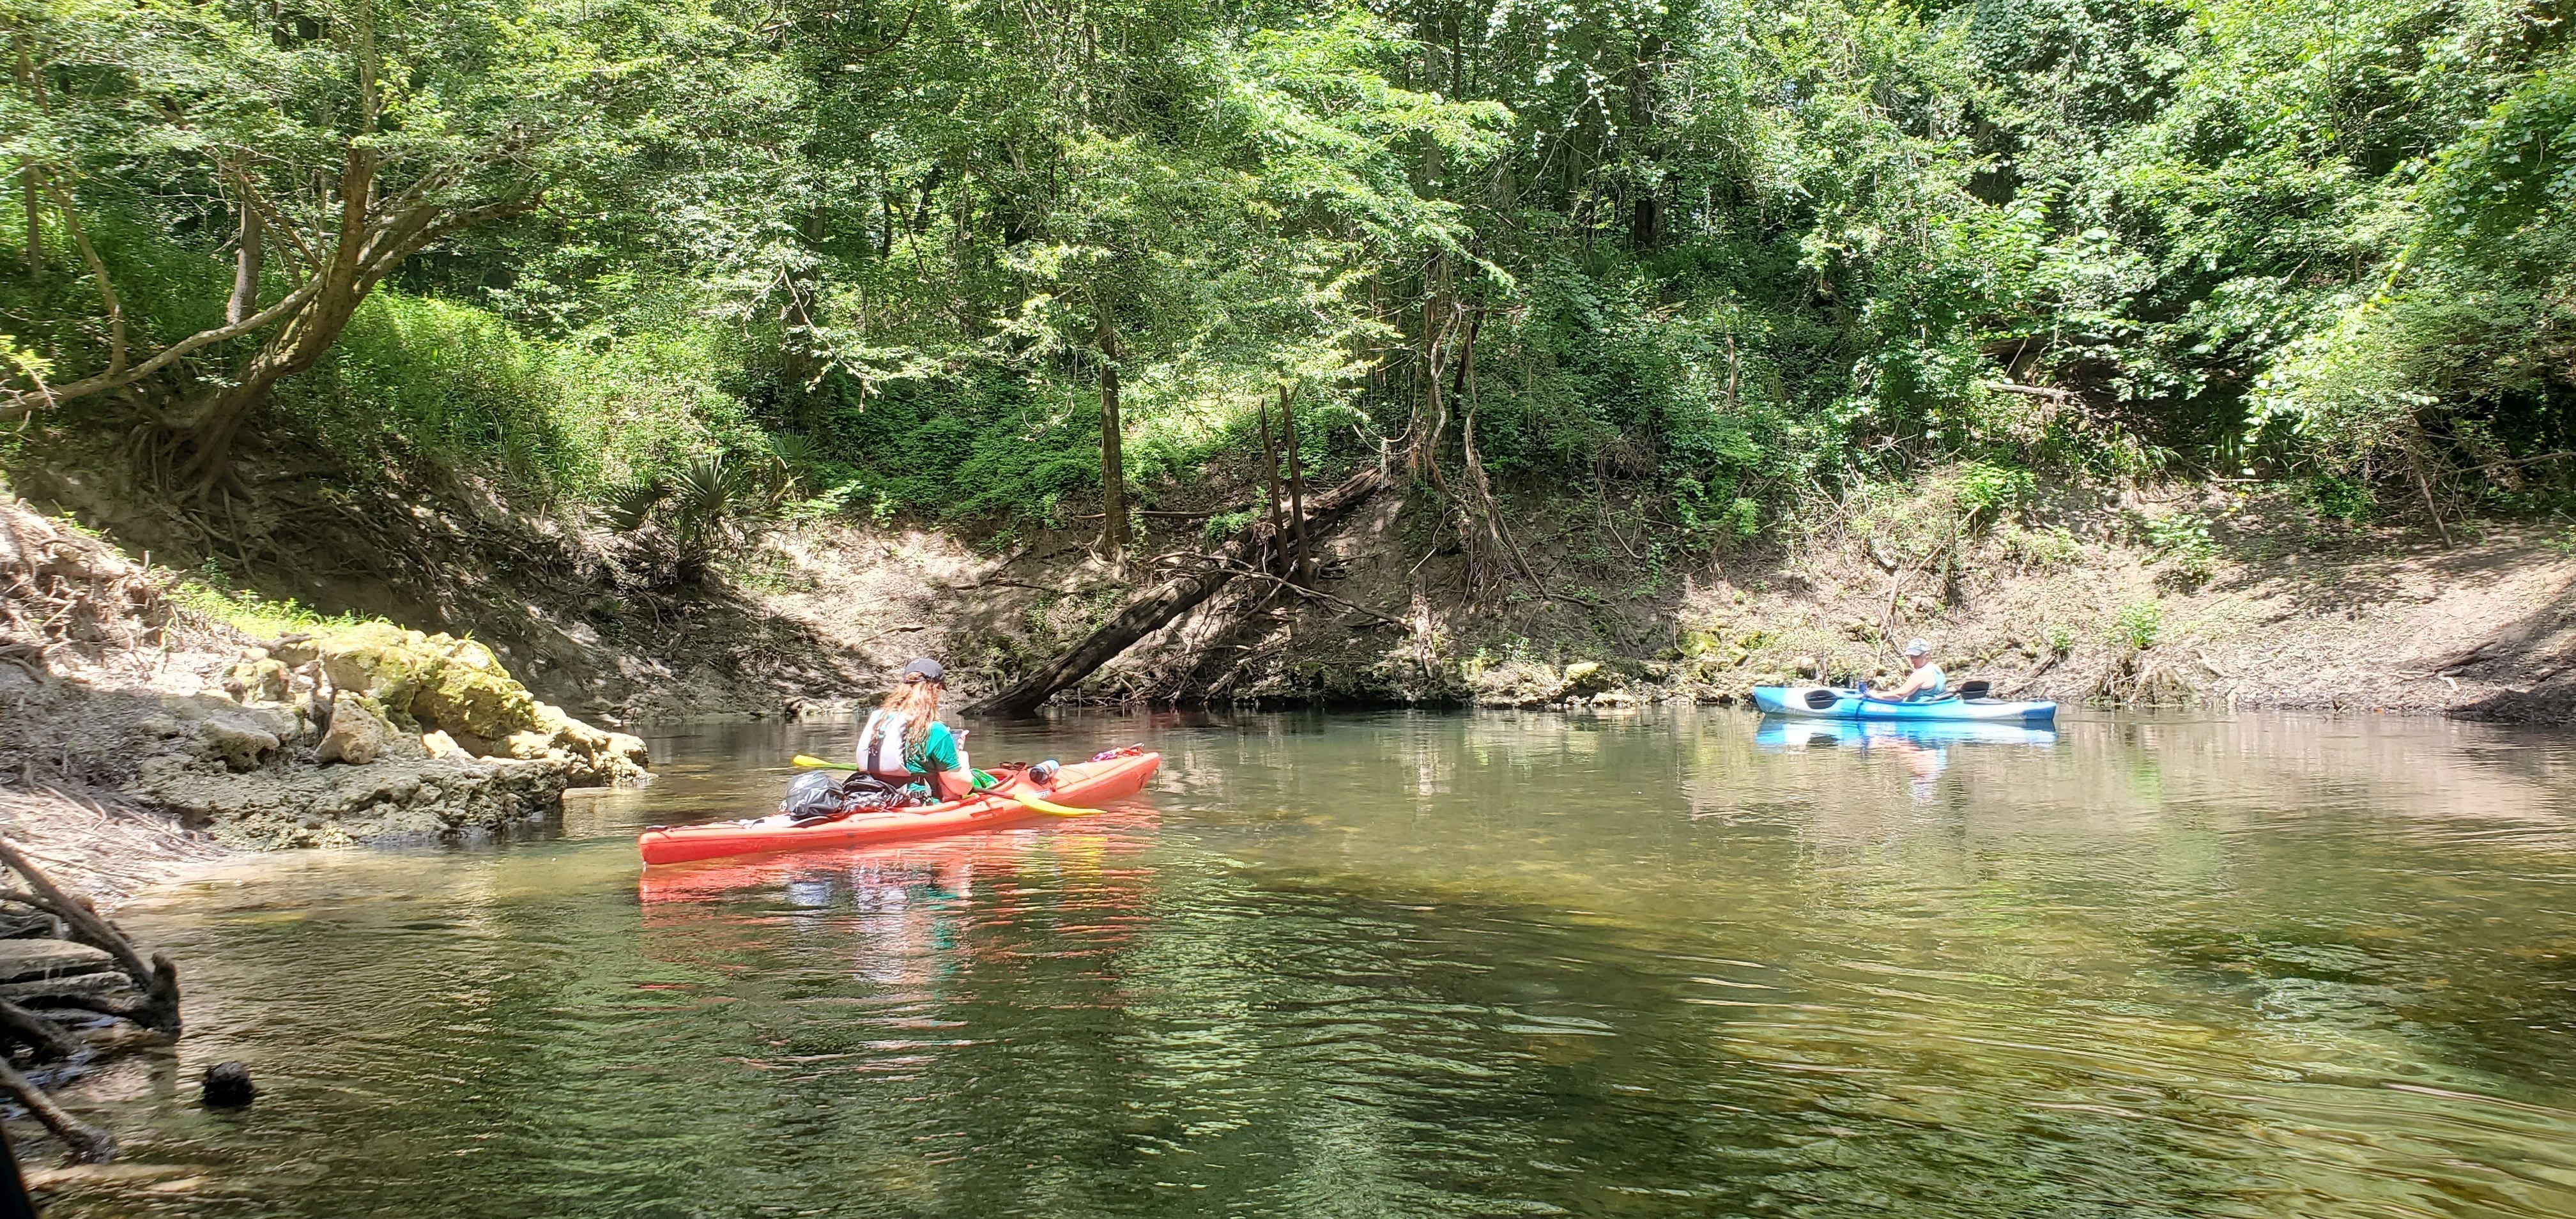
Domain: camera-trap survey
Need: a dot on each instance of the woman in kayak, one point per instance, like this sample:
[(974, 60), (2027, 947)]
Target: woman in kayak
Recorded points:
[(1927, 681), (904, 742)]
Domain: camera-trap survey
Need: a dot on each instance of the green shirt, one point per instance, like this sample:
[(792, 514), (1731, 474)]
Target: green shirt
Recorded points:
[(938, 751)]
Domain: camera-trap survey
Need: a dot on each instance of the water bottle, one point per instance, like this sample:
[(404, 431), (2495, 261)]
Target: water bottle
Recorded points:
[(1044, 772)]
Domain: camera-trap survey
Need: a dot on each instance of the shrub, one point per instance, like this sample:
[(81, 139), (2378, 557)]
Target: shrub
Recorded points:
[(2139, 623), (1986, 488), (2184, 540), (582, 417), (2042, 549)]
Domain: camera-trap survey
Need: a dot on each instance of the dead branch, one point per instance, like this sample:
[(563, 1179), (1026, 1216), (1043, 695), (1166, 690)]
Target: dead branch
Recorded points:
[(1303, 591), (89, 1144), (158, 979)]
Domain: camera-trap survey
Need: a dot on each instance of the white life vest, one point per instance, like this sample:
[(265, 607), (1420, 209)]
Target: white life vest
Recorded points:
[(881, 744)]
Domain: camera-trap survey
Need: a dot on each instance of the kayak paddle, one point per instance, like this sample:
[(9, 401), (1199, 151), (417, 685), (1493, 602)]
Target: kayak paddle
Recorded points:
[(1034, 804)]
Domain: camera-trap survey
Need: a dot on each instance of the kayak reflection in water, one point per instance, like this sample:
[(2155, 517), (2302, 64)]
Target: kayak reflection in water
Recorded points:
[(1924, 762), (904, 743), (1922, 747)]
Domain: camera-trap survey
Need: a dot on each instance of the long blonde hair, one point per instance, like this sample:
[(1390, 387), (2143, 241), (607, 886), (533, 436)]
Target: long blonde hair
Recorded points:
[(916, 699)]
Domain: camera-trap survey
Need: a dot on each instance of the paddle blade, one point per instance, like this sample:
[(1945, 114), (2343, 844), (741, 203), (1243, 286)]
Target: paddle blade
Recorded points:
[(814, 763), (1053, 810), (1819, 699)]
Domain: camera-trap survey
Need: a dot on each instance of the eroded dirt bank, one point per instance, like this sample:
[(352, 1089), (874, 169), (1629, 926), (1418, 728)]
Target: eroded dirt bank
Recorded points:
[(139, 736)]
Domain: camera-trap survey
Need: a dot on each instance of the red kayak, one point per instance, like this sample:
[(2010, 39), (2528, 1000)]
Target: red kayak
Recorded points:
[(1079, 784)]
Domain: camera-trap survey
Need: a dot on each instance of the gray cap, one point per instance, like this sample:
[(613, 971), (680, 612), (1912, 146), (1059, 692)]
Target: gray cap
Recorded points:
[(927, 668), (1919, 647)]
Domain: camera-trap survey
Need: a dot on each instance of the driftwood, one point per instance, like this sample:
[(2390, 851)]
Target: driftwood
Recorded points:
[(1166, 600), (92, 970)]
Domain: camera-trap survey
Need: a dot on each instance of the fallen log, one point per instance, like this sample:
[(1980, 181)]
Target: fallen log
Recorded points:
[(1166, 600), (94, 969), (158, 979)]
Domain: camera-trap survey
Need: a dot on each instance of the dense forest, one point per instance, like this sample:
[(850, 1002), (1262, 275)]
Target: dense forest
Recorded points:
[(687, 260)]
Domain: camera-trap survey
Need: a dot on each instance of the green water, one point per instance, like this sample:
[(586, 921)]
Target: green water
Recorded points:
[(1430, 965)]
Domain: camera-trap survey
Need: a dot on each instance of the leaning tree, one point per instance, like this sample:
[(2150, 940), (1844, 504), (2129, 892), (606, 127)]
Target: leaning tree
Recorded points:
[(319, 143)]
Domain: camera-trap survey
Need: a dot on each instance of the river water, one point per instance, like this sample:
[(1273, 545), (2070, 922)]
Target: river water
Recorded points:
[(1665, 963)]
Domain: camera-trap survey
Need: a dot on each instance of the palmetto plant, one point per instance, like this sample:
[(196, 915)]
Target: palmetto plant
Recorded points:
[(702, 511)]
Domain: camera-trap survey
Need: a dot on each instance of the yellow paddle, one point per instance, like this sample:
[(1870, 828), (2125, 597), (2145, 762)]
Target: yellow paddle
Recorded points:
[(1034, 804)]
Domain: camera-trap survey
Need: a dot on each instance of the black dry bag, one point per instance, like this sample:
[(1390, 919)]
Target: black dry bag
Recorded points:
[(812, 796)]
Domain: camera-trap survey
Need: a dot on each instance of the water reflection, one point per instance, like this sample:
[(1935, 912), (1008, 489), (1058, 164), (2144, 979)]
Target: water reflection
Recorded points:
[(1920, 748), (1439, 965)]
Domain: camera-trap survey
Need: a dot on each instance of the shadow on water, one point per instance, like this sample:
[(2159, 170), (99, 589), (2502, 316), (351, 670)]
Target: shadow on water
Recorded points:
[(1667, 963)]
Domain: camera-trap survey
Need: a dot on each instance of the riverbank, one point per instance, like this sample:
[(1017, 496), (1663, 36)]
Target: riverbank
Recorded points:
[(2176, 593), (158, 719), (2170, 596), (151, 728)]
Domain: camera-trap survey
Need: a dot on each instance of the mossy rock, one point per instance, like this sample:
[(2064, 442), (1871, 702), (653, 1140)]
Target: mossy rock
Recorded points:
[(435, 682)]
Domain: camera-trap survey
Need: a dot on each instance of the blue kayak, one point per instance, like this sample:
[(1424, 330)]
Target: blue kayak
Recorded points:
[(1825, 702)]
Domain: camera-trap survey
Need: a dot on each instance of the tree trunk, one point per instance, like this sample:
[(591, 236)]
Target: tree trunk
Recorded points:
[(1423, 455), (1113, 458), (35, 229), (1498, 534), (1305, 565), (1280, 558), (1159, 605), (35, 177), (1646, 212), (246, 264), (305, 337)]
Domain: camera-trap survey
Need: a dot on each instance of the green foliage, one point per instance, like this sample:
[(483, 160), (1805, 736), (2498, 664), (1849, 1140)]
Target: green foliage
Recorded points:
[(2183, 540), (1226, 524), (582, 416), (210, 595), (2138, 624), (2335, 496), (1987, 487), (2048, 549), (1716, 253)]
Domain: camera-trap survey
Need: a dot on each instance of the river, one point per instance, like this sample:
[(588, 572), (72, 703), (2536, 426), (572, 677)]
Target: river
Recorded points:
[(1659, 963)]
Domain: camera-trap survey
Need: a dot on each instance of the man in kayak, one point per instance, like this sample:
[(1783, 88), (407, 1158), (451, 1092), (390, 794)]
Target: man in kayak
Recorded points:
[(1925, 682), (904, 742)]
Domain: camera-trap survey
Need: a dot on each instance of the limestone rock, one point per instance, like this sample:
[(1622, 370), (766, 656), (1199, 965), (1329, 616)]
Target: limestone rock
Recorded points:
[(261, 681), (1518, 684), (235, 742), (440, 745), (1588, 677), (424, 684), (414, 799), (358, 734)]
